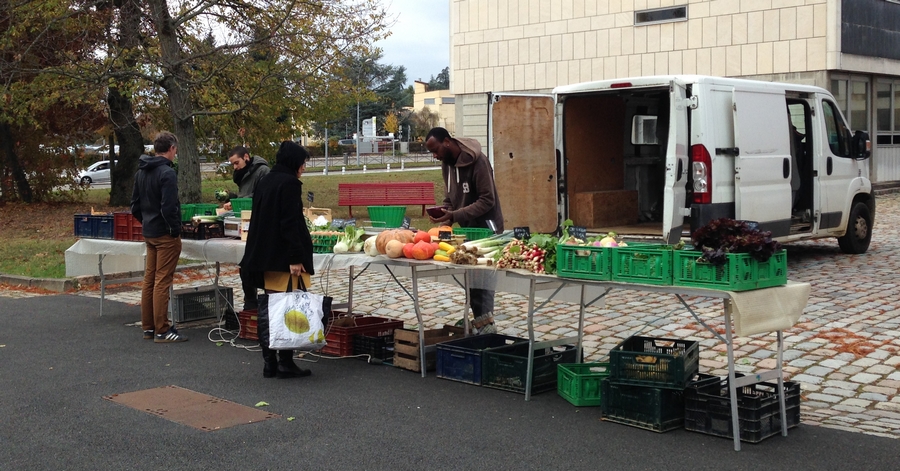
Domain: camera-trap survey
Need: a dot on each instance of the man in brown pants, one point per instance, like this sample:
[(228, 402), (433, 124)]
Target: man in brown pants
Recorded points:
[(155, 204)]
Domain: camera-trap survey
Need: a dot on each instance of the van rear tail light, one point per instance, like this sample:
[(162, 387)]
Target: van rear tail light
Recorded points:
[(701, 173)]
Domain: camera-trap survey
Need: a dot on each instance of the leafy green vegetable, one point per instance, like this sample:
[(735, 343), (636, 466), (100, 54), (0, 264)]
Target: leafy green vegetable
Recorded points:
[(724, 235)]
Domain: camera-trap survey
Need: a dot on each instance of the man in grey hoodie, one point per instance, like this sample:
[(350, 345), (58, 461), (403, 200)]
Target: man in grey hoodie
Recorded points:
[(247, 172), (471, 201), (154, 202)]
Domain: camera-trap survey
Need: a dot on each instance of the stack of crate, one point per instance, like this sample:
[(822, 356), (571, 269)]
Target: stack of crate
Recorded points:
[(647, 377)]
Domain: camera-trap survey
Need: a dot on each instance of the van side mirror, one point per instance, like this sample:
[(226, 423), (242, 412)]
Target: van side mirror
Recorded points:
[(860, 146)]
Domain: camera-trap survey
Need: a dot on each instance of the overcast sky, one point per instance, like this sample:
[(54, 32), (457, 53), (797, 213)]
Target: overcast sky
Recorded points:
[(421, 37)]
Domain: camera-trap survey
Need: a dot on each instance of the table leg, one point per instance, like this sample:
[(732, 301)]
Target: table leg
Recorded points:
[(417, 309), (784, 425), (732, 385), (530, 364), (102, 283), (219, 313), (578, 356)]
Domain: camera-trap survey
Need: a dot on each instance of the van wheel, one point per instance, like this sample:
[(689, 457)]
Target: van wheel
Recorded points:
[(859, 230)]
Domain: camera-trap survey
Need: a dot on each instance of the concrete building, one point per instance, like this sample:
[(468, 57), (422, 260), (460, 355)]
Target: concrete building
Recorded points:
[(850, 47), (441, 102)]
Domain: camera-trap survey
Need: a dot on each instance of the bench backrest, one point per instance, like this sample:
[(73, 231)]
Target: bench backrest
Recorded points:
[(356, 194)]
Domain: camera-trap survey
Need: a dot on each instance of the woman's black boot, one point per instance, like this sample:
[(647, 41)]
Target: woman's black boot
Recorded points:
[(287, 368)]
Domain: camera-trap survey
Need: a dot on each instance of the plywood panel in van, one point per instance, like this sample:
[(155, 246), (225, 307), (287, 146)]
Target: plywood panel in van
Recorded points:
[(594, 143)]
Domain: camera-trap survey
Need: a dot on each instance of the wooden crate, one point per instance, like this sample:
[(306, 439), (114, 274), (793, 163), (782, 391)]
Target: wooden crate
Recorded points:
[(406, 346)]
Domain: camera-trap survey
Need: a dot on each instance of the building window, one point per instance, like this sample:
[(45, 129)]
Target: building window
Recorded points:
[(429, 101), (887, 113), (660, 15), (852, 97), (448, 100)]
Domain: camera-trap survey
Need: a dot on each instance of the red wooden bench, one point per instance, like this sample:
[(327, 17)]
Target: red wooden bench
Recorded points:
[(386, 194)]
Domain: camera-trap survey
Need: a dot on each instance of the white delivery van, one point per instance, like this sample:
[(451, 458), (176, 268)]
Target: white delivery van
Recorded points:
[(661, 156)]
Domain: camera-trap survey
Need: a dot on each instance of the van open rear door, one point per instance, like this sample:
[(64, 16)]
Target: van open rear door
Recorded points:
[(762, 167), (676, 163), (524, 158)]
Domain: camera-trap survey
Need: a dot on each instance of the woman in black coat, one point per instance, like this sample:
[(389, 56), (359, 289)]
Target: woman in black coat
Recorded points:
[(279, 249)]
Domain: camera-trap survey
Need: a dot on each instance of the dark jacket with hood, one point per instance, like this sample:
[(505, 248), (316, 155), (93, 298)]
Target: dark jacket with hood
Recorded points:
[(278, 236), (247, 177), (154, 201), (471, 193)]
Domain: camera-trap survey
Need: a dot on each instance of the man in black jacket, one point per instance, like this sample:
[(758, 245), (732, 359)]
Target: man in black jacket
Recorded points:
[(155, 204)]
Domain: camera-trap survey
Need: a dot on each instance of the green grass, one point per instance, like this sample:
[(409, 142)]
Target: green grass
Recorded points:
[(44, 258)]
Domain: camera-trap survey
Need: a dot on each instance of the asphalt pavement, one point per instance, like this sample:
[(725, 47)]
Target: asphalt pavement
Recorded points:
[(60, 359)]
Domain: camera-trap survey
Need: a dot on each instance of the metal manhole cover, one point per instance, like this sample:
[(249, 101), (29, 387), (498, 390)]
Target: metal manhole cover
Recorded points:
[(186, 407)]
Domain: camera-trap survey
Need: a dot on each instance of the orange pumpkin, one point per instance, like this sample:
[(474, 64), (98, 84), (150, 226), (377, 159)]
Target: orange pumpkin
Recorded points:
[(407, 250), (422, 236), (402, 235), (435, 231)]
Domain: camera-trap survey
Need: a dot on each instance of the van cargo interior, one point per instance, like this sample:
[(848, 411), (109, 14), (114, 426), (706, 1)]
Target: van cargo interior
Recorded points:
[(613, 184)]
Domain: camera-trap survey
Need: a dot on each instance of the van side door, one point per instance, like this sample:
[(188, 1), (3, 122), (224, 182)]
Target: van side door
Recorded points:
[(762, 167), (676, 163), (839, 175)]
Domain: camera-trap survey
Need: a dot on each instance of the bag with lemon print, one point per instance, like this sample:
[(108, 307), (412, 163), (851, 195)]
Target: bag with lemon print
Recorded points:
[(295, 321)]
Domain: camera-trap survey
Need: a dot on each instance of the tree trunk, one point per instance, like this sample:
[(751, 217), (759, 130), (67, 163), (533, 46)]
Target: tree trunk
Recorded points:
[(131, 145), (121, 113), (180, 105), (13, 166)]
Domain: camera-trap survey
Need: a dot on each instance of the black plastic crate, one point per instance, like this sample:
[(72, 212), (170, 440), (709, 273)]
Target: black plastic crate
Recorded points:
[(380, 348), (507, 367), (654, 362), (202, 231), (460, 360), (707, 408), (655, 409), (191, 304)]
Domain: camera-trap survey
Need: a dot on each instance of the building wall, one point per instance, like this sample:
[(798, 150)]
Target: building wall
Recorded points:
[(526, 45)]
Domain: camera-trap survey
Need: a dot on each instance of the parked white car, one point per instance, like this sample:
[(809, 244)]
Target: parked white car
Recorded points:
[(96, 173)]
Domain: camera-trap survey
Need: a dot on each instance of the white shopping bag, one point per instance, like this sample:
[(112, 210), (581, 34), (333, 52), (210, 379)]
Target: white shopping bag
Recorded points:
[(295, 321)]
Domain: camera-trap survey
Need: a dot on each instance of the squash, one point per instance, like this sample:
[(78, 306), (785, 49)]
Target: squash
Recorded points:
[(435, 231), (402, 235), (394, 248), (407, 250), (423, 236)]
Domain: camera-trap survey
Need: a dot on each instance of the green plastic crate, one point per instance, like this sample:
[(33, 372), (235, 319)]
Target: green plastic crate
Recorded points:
[(205, 209), (655, 409), (654, 362), (324, 243), (241, 204), (648, 264), (387, 216), (740, 273), (473, 233), (187, 212), (584, 262), (579, 383)]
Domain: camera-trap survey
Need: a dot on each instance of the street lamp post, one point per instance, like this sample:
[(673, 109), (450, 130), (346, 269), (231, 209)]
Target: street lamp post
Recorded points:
[(357, 131)]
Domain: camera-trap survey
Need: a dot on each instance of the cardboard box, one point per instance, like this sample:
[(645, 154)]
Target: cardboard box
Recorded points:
[(312, 213), (595, 209)]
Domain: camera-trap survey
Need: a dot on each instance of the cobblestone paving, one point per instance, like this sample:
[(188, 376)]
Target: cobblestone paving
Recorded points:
[(844, 350)]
